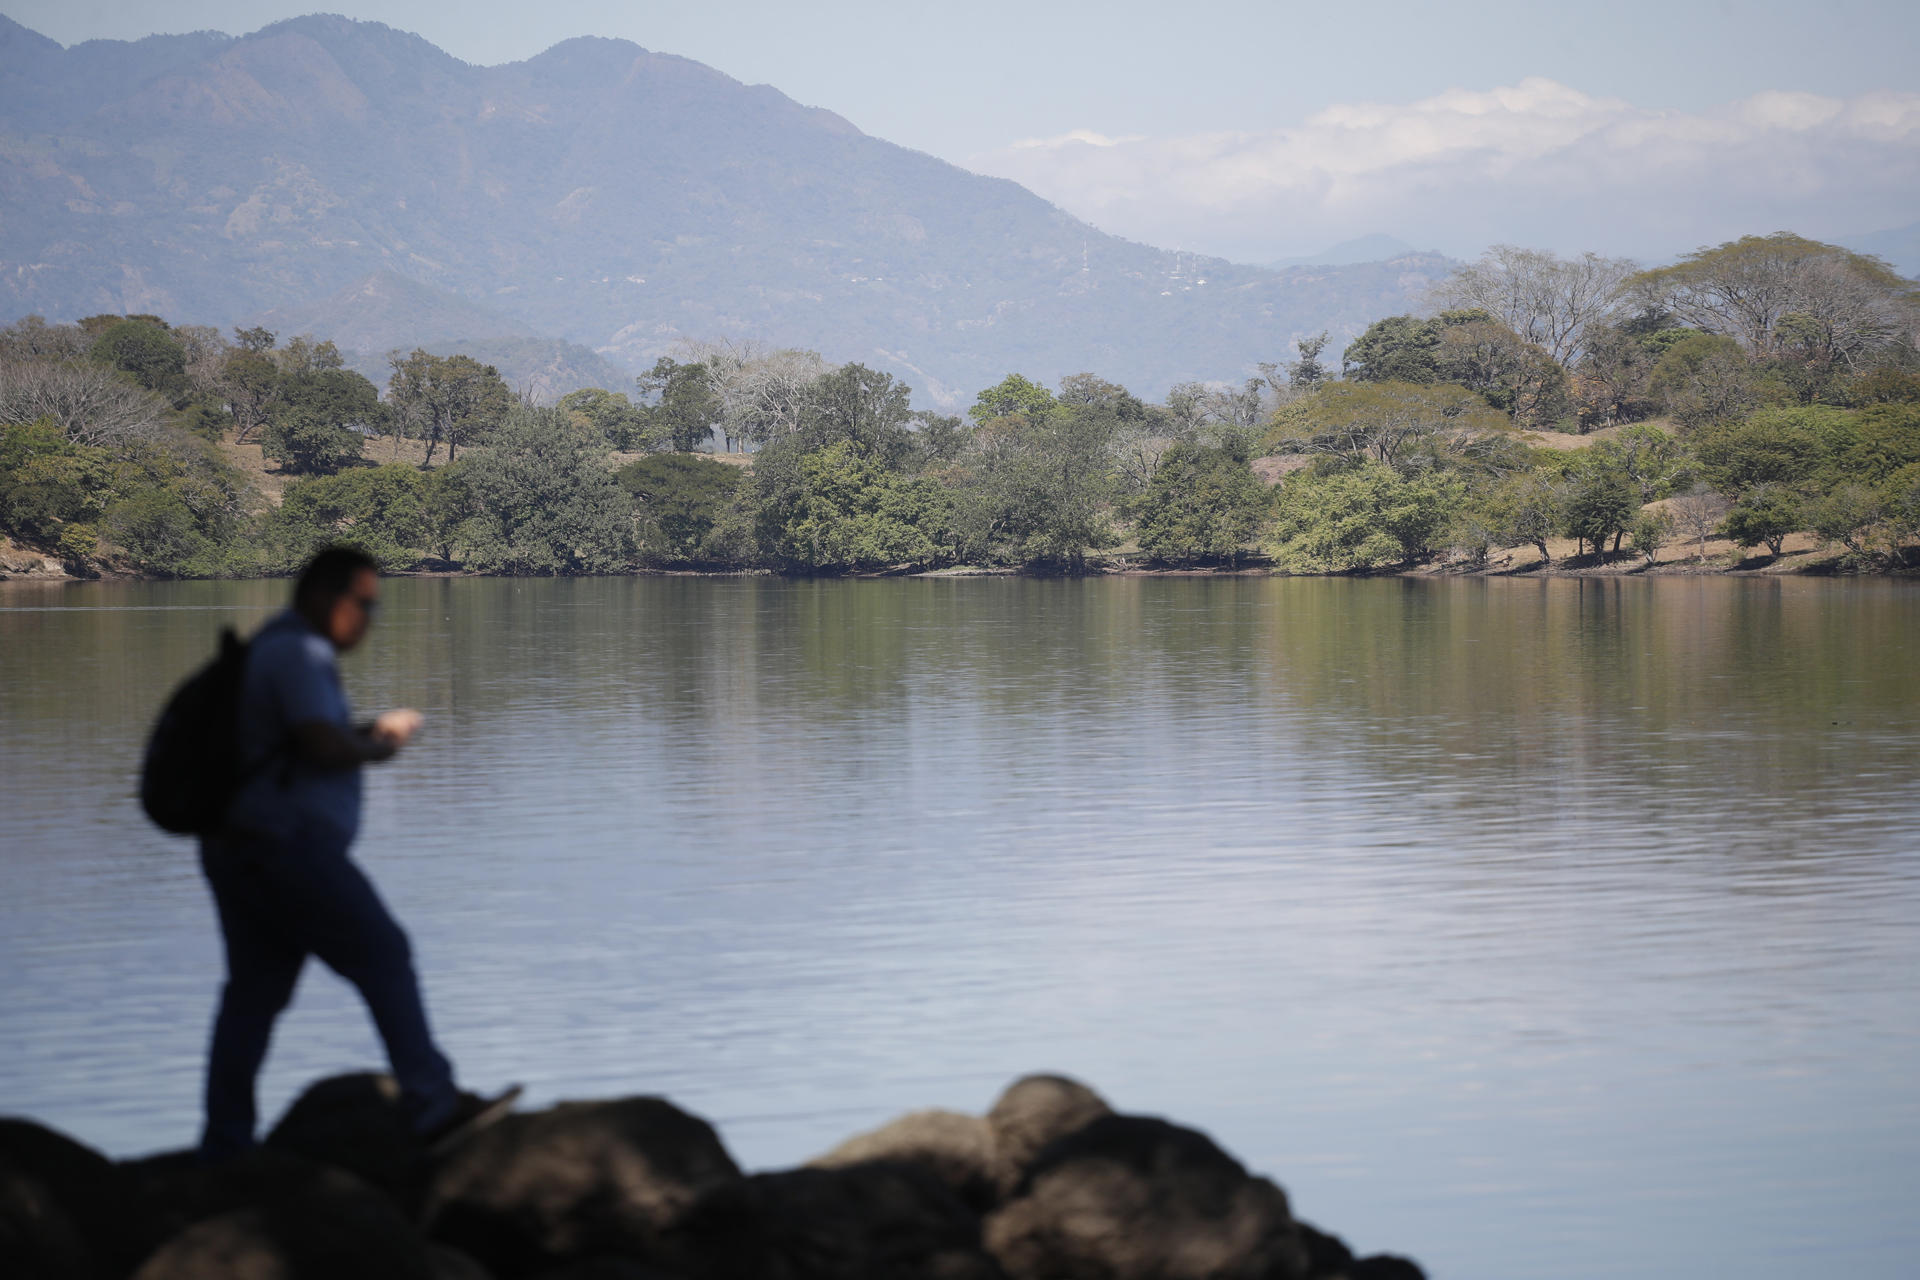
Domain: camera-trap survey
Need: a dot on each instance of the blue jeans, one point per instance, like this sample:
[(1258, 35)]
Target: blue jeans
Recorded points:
[(281, 901)]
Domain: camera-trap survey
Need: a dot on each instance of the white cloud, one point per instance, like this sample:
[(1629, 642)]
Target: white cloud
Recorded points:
[(1535, 163), (1086, 136)]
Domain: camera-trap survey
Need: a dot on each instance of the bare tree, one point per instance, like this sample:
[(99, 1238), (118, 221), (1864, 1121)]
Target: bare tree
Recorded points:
[(32, 338), (1548, 300), (1698, 514), (1771, 292), (1187, 409), (90, 403), (206, 352), (760, 391)]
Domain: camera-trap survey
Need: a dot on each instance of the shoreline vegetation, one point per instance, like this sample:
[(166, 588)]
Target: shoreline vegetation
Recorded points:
[(1752, 409), (1050, 1181)]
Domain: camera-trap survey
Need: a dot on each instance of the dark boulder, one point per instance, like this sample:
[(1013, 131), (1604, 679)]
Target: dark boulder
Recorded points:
[(607, 1267), (451, 1264), (957, 1149), (1136, 1198), (325, 1226), (356, 1123), (1328, 1258), (873, 1221), (64, 1209), (175, 1189), (580, 1179), (1034, 1111)]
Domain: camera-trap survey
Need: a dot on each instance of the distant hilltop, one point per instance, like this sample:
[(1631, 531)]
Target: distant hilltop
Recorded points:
[(600, 199)]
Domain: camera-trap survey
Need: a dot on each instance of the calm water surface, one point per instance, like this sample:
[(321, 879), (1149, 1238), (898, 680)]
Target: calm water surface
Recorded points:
[(1535, 929)]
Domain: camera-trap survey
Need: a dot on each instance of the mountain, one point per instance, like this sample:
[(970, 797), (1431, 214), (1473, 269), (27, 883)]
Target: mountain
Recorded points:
[(598, 194), (1369, 248)]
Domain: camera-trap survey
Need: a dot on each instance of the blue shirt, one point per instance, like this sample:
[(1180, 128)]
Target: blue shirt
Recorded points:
[(292, 677)]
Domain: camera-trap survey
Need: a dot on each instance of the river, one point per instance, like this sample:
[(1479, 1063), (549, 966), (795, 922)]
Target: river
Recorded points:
[(1531, 928)]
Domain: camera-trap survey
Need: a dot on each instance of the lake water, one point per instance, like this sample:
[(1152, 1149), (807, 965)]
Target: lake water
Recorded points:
[(1564, 928)]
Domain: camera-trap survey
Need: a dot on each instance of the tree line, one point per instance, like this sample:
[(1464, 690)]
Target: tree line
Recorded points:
[(1754, 390)]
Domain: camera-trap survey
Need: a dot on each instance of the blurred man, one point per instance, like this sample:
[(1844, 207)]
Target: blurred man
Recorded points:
[(281, 878)]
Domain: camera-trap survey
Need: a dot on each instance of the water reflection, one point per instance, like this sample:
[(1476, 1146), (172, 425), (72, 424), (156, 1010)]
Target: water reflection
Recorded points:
[(1487, 915)]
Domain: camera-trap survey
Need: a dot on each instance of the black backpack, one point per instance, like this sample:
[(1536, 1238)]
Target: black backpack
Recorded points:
[(192, 767)]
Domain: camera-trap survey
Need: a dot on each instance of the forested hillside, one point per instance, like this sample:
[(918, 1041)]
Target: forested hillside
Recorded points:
[(1550, 413)]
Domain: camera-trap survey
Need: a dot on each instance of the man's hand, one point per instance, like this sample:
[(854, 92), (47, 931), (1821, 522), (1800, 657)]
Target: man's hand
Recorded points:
[(394, 729), (327, 746)]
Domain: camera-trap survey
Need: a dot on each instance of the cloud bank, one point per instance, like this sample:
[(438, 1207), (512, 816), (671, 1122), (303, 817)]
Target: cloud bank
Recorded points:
[(1535, 163)]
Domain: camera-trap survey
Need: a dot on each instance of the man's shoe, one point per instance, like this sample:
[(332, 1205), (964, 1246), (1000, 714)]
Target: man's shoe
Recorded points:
[(470, 1115)]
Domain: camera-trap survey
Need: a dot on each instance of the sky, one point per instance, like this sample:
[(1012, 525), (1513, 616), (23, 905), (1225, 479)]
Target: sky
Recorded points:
[(1265, 130)]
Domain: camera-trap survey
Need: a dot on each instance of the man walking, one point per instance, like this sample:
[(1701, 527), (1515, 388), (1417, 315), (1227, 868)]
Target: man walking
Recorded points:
[(283, 884)]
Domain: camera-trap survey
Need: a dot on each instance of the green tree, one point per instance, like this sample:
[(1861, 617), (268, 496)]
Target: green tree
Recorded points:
[(1391, 422), (681, 498), (1900, 508), (1510, 374), (250, 383), (1395, 349), (1765, 513), (1786, 448), (1650, 458), (543, 500), (159, 534), (1876, 442), (849, 512), (1038, 486), (321, 420), (1202, 505), (48, 482), (1306, 373), (1704, 378), (687, 408), (382, 509), (1652, 530), (941, 438), (1015, 395), (1844, 514), (1601, 503), (861, 407), (145, 350), (1526, 509), (621, 423), (1360, 517), (452, 399), (1609, 384)]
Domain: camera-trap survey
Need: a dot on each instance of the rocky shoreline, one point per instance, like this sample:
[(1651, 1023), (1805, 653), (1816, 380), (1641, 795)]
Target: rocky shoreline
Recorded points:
[(1050, 1184)]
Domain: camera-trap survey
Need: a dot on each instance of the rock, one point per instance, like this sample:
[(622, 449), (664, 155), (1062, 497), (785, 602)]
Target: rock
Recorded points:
[(1327, 1255), (1328, 1258), (64, 1209), (355, 1122), (872, 1221), (957, 1149), (1034, 1111), (580, 1179), (451, 1264), (1136, 1198), (607, 1267), (331, 1225)]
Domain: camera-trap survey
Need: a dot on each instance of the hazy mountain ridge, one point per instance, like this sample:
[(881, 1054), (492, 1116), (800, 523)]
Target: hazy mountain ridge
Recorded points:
[(387, 312), (598, 193)]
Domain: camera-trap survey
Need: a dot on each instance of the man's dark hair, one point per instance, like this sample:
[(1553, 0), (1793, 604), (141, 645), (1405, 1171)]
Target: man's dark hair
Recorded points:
[(329, 574)]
